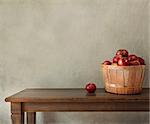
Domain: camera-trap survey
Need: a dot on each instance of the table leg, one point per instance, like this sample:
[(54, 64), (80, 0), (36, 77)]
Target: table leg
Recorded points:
[(17, 115), (31, 118)]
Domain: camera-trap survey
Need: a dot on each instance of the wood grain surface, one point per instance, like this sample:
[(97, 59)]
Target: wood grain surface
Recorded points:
[(74, 95), (73, 99)]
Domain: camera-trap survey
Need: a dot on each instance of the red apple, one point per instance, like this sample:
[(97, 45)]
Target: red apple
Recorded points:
[(141, 60), (123, 62), (122, 53), (132, 57), (115, 59), (135, 62), (90, 87), (107, 63)]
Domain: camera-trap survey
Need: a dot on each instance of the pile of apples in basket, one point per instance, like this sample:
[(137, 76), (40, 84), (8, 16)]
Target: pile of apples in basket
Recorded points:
[(125, 74), (122, 58)]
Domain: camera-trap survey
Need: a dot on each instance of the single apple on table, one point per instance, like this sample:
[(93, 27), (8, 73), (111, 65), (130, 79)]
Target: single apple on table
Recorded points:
[(90, 87)]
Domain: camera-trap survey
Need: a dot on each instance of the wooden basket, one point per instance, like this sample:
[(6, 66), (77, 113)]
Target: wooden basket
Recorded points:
[(123, 79)]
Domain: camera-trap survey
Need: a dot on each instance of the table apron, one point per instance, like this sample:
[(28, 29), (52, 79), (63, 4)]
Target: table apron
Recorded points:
[(82, 106)]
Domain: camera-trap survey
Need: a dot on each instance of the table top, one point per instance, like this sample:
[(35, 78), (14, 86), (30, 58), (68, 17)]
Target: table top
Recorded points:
[(74, 95)]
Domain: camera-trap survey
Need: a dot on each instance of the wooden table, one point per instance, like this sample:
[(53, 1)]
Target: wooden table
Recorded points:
[(68, 100)]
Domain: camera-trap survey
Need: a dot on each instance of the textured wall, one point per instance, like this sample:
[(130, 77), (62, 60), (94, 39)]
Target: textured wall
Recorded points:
[(60, 43)]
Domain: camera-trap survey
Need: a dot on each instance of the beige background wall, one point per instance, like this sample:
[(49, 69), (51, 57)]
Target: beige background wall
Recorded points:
[(60, 43)]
